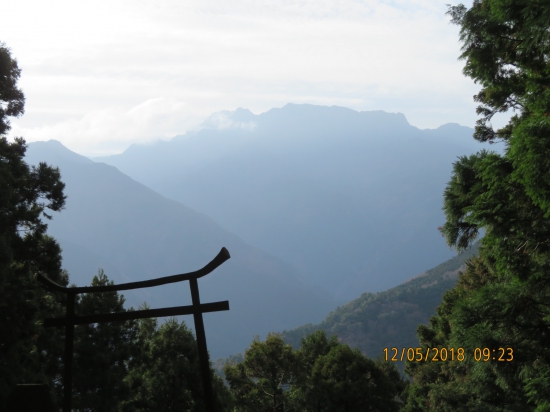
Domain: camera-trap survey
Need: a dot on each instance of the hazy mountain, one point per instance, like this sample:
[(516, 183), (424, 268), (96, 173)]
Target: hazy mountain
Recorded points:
[(351, 199), (389, 319), (133, 233)]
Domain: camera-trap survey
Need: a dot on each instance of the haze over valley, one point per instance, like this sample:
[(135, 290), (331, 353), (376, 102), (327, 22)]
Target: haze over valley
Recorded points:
[(374, 176), (351, 199), (316, 205)]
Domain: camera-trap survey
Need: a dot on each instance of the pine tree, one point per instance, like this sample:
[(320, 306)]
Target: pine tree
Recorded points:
[(28, 352), (164, 373), (101, 352), (323, 375), (503, 299), (261, 382)]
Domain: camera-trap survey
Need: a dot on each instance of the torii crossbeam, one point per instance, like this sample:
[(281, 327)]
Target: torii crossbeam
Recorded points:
[(196, 309)]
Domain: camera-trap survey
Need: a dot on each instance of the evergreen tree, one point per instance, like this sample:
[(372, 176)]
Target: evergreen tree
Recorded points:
[(139, 364), (346, 380), (164, 372), (28, 352), (111, 359), (334, 377), (101, 351), (262, 381), (502, 301), (12, 98), (323, 375), (314, 346)]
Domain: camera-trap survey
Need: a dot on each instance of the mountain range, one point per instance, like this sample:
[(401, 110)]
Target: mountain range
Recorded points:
[(389, 319), (115, 223), (350, 199), (384, 320), (316, 205)]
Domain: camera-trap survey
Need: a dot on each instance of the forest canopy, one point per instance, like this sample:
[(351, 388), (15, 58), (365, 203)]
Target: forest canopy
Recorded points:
[(502, 301)]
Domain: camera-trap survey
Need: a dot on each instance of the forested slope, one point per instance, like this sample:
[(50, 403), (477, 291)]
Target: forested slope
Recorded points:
[(375, 321), (351, 199), (114, 223)]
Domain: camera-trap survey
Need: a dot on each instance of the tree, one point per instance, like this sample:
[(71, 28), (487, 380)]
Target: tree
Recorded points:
[(262, 381), (506, 45), (334, 377), (503, 298), (346, 380), (314, 346), (140, 362), (101, 352), (12, 100), (164, 373), (470, 317), (323, 375), (27, 351), (110, 358)]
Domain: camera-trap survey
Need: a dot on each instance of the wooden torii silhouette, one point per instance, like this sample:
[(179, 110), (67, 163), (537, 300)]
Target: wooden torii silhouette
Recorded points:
[(196, 309)]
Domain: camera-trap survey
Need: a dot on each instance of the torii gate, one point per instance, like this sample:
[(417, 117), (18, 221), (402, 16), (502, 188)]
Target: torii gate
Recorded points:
[(196, 309)]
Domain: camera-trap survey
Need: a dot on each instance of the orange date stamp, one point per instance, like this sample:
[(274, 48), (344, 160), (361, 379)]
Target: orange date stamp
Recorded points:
[(448, 354)]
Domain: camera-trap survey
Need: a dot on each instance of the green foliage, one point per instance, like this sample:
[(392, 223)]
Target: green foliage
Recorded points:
[(101, 351), (332, 376), (471, 316), (389, 319), (261, 381), (529, 148), (168, 376), (324, 375), (506, 45), (164, 373), (12, 100), (343, 379), (135, 365), (27, 350), (502, 300)]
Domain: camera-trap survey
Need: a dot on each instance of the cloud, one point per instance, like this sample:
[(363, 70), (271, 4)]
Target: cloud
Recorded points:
[(113, 129), (222, 120), (86, 65)]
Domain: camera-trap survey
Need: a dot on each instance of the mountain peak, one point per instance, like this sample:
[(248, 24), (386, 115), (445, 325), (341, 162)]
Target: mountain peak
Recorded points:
[(54, 152), (452, 127), (226, 119)]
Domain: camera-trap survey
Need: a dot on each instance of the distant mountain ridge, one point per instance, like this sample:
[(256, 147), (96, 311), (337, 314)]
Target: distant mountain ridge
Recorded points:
[(351, 199), (115, 223), (390, 318), (387, 319)]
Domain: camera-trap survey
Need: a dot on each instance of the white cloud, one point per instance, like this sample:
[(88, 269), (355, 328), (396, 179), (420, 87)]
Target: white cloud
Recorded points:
[(113, 129), (86, 65), (223, 120)]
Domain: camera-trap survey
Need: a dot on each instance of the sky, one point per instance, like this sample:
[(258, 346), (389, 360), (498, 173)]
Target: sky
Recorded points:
[(99, 76)]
